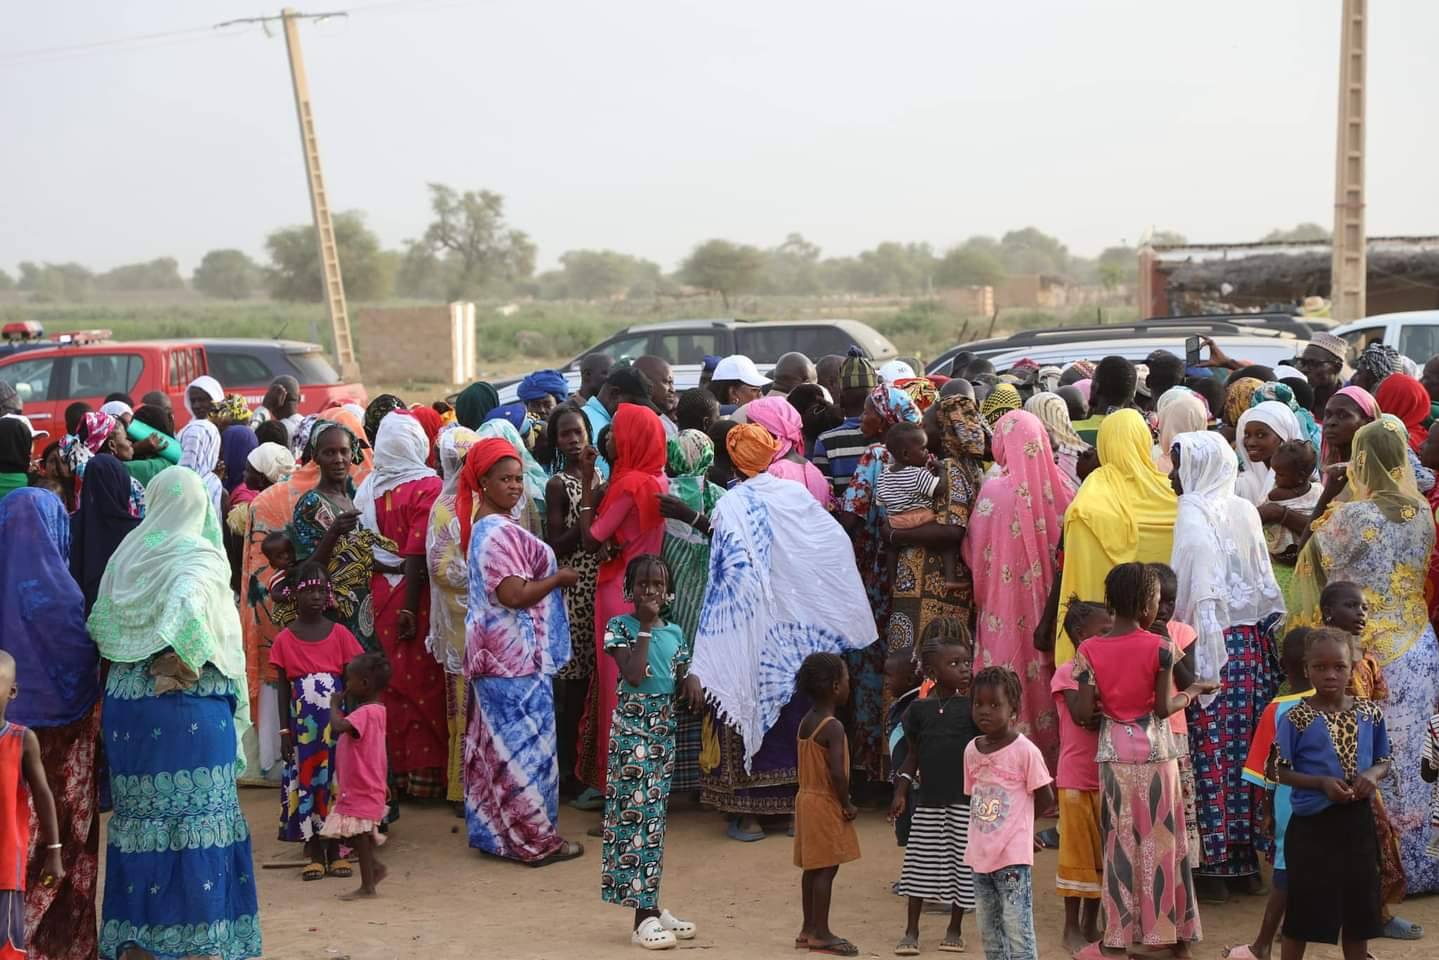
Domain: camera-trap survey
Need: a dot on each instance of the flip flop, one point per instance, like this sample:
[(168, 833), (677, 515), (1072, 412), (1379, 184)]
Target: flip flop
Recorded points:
[(907, 947), (1396, 928), (567, 852), (1049, 838), (835, 948), (733, 831), (952, 945)]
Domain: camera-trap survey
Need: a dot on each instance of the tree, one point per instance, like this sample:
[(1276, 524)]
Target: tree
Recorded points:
[(970, 264), (56, 282), (295, 273), (723, 267), (1117, 265), (7, 282), (162, 273), (1300, 233), (1167, 238), (471, 227), (226, 275), (792, 267), (602, 274), (1033, 251)]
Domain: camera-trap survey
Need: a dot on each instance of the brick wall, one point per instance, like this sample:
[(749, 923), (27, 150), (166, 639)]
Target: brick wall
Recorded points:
[(399, 344)]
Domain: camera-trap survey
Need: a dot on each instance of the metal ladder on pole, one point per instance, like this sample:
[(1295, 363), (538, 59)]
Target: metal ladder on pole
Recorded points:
[(334, 292), (1350, 264)]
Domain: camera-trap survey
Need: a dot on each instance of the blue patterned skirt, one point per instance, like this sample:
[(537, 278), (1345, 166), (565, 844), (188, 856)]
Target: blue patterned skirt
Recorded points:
[(1413, 681), (641, 763), (179, 880)]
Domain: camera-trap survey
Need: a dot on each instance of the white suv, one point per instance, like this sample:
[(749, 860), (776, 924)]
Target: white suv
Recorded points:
[(1415, 334)]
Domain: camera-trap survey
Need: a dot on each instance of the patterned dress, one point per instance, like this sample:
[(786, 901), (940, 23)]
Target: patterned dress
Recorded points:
[(641, 763), (579, 599), (349, 566), (866, 667)]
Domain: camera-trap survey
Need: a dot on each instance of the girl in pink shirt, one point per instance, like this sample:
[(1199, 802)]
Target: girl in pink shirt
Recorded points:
[(360, 766), (1005, 777)]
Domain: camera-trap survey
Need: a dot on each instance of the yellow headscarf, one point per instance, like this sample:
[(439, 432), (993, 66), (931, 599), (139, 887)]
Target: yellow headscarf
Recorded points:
[(1124, 512)]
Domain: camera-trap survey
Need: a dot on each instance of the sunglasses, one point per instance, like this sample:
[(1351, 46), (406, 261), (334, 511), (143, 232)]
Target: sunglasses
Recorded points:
[(1309, 363)]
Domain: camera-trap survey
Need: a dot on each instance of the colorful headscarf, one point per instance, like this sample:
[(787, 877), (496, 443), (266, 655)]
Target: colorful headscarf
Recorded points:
[(1379, 360), (751, 448), (1368, 408), (322, 425), (474, 402), (1001, 400), (379, 408), (1406, 398), (964, 428), (1283, 393), (1237, 398), (857, 372), (637, 470), (921, 390), (535, 477), (97, 427), (1053, 412), (231, 411), (542, 383), (781, 419), (691, 454), (892, 405), (481, 458)]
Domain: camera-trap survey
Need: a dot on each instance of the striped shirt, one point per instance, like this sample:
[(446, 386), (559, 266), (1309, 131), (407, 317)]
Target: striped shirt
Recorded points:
[(837, 453), (906, 489)]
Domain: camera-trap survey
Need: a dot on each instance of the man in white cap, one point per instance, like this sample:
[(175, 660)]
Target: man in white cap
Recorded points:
[(736, 382), (1323, 361)]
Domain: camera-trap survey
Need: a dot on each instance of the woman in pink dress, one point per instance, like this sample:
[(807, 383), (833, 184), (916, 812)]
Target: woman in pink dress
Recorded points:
[(779, 417), (1011, 549), (630, 518), (395, 501)]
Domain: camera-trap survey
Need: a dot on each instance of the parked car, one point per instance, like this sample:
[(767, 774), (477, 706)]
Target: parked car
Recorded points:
[(1216, 325), (1269, 351), (685, 343), (50, 378), (248, 366), (1414, 333)]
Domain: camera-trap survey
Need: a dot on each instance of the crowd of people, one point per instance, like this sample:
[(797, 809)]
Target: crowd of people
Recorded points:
[(1189, 611)]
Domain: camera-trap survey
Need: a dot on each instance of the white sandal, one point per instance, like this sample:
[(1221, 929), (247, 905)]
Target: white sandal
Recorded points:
[(682, 929), (651, 935)]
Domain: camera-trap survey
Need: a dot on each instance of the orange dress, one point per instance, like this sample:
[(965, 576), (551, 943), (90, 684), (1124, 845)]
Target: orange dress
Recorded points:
[(822, 836)]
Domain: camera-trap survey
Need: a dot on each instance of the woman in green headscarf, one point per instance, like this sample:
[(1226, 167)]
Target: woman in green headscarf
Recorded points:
[(474, 402), (686, 552)]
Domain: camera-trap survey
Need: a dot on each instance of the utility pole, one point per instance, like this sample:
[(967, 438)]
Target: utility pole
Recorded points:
[(334, 287), (1350, 264)]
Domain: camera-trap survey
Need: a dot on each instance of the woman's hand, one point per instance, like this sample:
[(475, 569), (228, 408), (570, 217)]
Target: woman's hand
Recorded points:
[(1200, 687), (692, 693), (345, 523), (1217, 357), (1336, 476), (673, 508), (149, 447), (405, 624), (1337, 790), (1086, 463), (566, 577), (287, 746), (588, 456), (850, 811), (53, 871)]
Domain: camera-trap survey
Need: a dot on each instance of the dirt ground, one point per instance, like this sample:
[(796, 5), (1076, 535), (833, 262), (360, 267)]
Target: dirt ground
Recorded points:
[(443, 900)]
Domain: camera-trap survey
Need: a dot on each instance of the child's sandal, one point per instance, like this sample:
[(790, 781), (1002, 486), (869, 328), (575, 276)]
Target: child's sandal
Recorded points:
[(340, 868), (314, 871), (952, 945), (907, 947)]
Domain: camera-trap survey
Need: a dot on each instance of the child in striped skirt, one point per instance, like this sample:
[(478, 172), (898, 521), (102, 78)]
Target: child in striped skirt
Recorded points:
[(937, 729)]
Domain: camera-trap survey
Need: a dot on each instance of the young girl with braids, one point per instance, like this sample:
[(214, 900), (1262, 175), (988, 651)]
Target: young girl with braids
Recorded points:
[(937, 729), (653, 666)]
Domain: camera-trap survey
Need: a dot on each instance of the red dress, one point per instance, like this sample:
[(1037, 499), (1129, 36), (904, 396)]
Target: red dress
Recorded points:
[(14, 841), (418, 734)]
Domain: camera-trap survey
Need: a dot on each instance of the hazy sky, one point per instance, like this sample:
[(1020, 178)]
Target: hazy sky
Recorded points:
[(647, 125)]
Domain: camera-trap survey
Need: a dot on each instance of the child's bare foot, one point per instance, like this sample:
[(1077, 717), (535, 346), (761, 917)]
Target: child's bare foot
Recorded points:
[(364, 893), (1075, 940)]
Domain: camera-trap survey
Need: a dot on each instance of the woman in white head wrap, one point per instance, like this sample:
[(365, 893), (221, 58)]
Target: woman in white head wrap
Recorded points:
[(1180, 410), (202, 395), (272, 461), (1259, 432), (118, 409), (200, 451)]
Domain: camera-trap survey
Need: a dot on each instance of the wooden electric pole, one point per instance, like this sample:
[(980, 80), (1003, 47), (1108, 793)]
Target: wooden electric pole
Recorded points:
[(1349, 266), (334, 286)]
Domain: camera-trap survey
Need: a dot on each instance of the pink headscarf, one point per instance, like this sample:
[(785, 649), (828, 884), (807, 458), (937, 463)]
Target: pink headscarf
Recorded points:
[(1014, 530), (1367, 405), (781, 419)]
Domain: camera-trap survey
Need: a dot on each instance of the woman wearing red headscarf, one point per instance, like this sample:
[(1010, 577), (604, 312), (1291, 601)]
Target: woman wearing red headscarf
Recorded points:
[(517, 636), (629, 518), (1406, 398), (430, 422)]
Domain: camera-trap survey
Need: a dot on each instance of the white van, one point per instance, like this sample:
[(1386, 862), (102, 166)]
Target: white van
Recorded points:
[(1414, 333)]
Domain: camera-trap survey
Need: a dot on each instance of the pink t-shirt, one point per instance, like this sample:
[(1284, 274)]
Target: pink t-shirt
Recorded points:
[(1123, 669), (1182, 635), (1001, 789), (360, 765), (1078, 745)]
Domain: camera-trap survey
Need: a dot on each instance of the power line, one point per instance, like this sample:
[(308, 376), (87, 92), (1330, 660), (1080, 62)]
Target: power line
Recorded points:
[(143, 39)]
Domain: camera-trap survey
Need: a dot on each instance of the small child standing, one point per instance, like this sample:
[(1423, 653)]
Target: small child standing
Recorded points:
[(1331, 847), (824, 834), (362, 767), (1081, 840), (21, 773), (310, 656), (1259, 769), (1181, 637), (650, 653), (906, 490), (1006, 778), (937, 729)]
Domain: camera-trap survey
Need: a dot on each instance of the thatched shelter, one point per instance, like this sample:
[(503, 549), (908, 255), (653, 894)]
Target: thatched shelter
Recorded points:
[(1238, 277)]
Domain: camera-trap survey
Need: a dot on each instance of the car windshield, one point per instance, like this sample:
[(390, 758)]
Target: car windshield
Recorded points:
[(314, 368)]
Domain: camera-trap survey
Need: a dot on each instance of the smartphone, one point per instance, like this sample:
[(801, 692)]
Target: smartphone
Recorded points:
[(1191, 351)]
